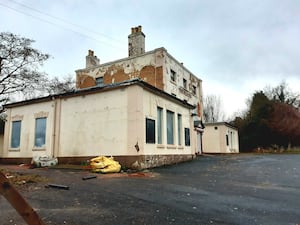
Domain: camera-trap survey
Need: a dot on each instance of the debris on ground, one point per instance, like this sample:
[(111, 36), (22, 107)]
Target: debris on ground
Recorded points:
[(18, 202), (44, 161), (104, 164), (58, 186), (18, 178), (89, 177)]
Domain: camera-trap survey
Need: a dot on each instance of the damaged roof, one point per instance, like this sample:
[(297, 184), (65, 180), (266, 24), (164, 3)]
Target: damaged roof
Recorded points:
[(102, 88)]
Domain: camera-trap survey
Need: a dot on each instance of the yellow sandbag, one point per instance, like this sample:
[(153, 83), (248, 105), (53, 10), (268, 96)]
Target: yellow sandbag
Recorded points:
[(102, 164)]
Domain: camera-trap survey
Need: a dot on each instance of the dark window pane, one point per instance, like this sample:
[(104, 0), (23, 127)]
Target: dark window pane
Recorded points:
[(184, 83), (173, 76), (150, 131), (187, 136)]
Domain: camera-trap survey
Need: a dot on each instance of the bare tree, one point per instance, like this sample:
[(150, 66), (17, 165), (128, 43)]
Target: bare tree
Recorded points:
[(51, 86), (58, 86), (282, 93), (213, 109), (19, 64)]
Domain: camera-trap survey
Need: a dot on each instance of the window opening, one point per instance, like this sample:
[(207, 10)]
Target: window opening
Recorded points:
[(194, 90), (187, 136), (184, 83), (150, 131), (159, 124), (15, 134), (170, 128), (179, 125), (99, 81), (173, 76), (40, 132)]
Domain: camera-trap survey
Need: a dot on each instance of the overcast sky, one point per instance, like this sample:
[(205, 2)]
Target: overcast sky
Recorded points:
[(236, 47)]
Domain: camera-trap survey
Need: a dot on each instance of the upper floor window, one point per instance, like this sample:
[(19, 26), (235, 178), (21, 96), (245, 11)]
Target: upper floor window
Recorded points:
[(194, 90), (99, 81), (184, 83), (15, 134), (173, 76)]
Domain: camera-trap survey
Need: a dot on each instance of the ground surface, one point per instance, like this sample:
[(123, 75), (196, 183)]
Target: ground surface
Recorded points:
[(235, 189)]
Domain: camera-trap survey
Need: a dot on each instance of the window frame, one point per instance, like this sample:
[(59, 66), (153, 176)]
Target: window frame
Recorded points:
[(170, 128), (184, 83), (150, 134), (99, 83), (179, 129), (187, 136), (194, 90), (18, 134), (173, 75), (43, 133), (160, 125)]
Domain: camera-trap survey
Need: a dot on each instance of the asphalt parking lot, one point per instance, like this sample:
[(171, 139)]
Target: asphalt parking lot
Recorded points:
[(224, 189)]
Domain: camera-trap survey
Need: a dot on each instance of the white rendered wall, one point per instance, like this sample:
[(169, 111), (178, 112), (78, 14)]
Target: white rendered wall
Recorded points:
[(27, 114), (94, 124)]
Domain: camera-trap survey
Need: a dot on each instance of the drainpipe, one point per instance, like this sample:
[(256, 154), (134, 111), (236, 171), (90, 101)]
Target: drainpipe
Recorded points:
[(54, 128)]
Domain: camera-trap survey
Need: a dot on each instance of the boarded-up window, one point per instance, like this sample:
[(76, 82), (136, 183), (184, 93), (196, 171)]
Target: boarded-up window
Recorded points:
[(227, 140), (173, 76)]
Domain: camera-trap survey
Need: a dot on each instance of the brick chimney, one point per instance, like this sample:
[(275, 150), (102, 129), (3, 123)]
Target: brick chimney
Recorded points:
[(136, 42), (91, 60)]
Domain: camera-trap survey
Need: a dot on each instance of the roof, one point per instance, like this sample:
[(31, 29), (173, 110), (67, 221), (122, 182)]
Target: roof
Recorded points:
[(219, 124), (104, 88)]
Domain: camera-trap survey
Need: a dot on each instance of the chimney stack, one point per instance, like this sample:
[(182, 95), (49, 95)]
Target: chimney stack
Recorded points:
[(136, 42), (91, 60)]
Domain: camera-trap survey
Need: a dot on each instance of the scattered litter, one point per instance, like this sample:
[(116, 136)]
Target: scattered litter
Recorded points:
[(44, 161), (139, 174), (103, 164), (22, 164), (58, 186), (8, 176), (18, 178), (89, 177)]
